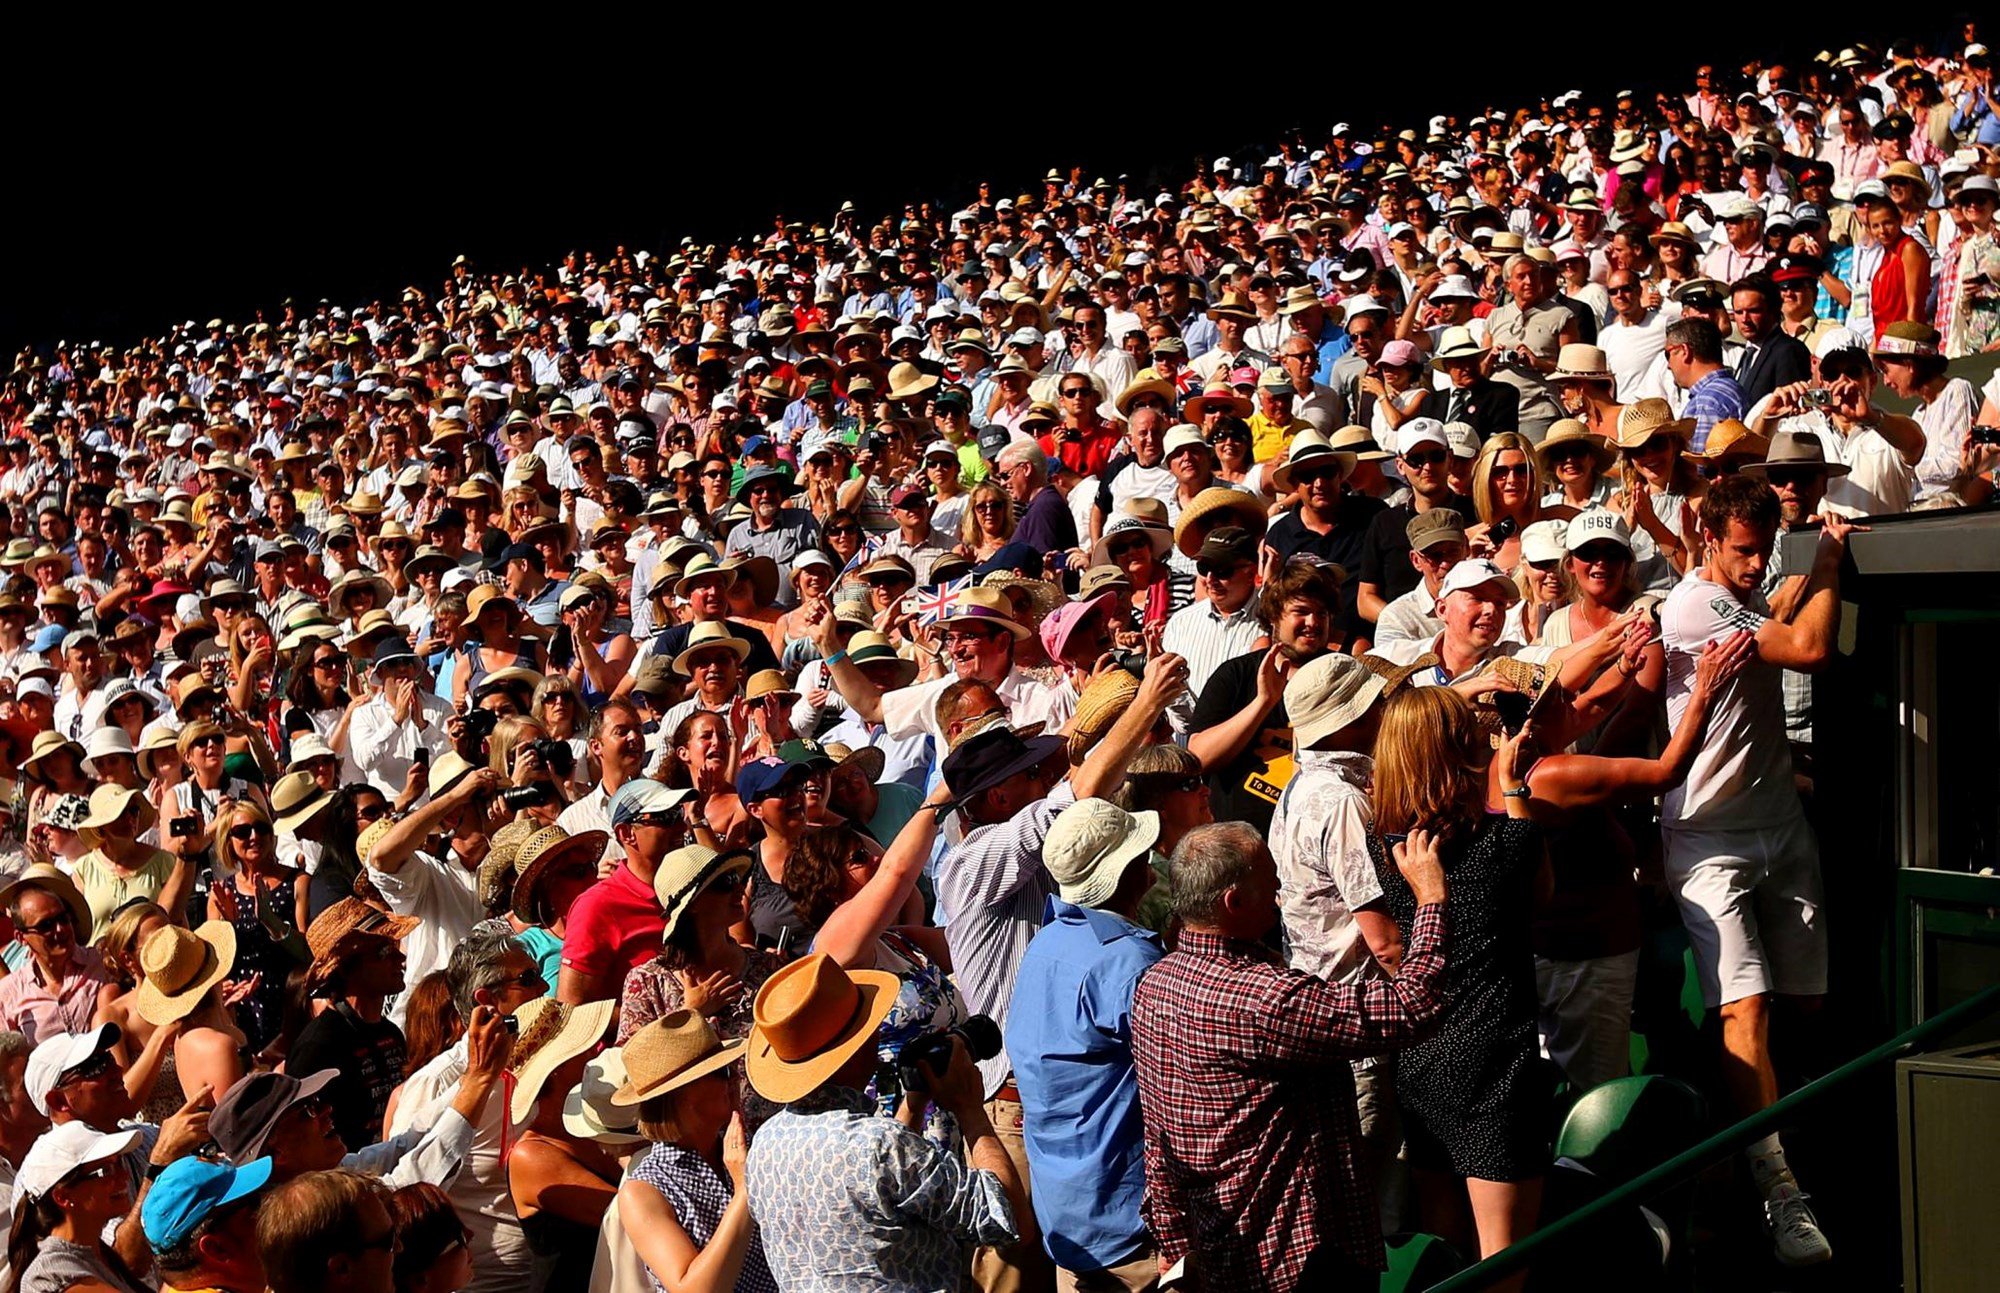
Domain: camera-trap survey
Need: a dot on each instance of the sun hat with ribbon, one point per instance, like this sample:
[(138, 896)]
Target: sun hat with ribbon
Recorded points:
[(706, 636), (1729, 438), (1158, 536), (1907, 339), (1568, 431), (179, 966), (809, 1019), (686, 873), (1641, 420), (984, 606), (1795, 449), (107, 804), (53, 882), (551, 1033), (1217, 505)]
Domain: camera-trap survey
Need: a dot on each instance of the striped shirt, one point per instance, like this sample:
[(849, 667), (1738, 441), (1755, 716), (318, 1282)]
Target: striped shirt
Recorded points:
[(1713, 399)]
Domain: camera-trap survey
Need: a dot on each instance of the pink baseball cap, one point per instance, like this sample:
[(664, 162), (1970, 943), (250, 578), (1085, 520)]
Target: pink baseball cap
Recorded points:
[(1400, 354)]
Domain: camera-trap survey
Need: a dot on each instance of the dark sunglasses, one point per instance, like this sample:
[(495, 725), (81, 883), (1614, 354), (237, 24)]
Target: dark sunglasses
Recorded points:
[(49, 925), (246, 832)]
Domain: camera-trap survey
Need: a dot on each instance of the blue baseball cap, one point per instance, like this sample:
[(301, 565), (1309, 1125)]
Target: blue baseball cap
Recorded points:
[(49, 635), (754, 444), (635, 799), (192, 1188)]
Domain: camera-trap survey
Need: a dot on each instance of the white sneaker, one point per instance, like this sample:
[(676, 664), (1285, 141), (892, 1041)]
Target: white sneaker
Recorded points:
[(1794, 1231)]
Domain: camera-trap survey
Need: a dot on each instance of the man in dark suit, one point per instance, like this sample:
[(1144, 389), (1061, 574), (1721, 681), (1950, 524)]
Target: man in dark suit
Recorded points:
[(1771, 358), (1474, 398)]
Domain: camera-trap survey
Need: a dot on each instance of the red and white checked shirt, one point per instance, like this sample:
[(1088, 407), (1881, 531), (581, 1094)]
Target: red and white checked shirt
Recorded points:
[(1252, 1138)]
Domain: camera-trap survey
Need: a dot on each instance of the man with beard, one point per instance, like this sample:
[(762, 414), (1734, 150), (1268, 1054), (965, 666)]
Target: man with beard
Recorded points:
[(1240, 730), (773, 530)]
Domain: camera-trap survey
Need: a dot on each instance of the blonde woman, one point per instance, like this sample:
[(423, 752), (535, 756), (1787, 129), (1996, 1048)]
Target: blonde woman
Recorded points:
[(266, 903), (147, 1053), (989, 522), (509, 753), (1507, 495), (186, 977)]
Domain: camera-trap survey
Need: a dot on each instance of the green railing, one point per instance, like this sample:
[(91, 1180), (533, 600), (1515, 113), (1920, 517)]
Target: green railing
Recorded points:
[(1686, 1164)]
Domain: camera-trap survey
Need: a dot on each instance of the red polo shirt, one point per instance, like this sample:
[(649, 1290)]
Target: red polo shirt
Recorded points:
[(1088, 453), (614, 927)]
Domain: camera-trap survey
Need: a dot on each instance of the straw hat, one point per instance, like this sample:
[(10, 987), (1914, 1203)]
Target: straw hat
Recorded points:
[(762, 572), (589, 1114), (984, 606), (362, 503), (707, 635), (1571, 431), (686, 872), (680, 1047), (336, 596), (1641, 421), (45, 877), (1576, 362), (107, 804), (47, 743), (348, 917), (869, 760), (1790, 449), (1242, 509), (1042, 595), (487, 595), (1309, 447), (1126, 523), (1727, 438), (702, 565), (539, 855), (1097, 580), (1140, 387), (810, 1018), (151, 745), (180, 966), (551, 1033), (1217, 397), (1104, 699)]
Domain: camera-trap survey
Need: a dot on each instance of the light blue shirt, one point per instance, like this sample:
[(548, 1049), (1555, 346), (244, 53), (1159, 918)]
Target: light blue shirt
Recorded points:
[(1069, 1032)]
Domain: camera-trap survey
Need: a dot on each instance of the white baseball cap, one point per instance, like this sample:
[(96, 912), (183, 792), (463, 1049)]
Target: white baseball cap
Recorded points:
[(61, 1053), (1597, 523), (1543, 541), (59, 1151), (1418, 431), (1477, 573)]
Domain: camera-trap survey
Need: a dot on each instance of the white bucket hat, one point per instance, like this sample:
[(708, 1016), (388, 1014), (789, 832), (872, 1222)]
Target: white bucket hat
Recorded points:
[(1090, 846)]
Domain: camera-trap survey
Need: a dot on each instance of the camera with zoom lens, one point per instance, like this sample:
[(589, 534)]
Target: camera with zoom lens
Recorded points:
[(982, 1042), (479, 724), (519, 797), (555, 755)]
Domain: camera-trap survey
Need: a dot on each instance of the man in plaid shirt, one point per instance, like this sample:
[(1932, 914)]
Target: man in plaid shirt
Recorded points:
[(1253, 1168)]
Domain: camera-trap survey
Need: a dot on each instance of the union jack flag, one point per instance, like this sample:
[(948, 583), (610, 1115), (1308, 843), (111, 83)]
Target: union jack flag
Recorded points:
[(934, 601), (864, 554)]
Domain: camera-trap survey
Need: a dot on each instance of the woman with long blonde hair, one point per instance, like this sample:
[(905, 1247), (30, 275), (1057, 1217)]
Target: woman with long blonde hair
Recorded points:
[(1507, 492), (268, 904), (1474, 1101), (989, 522)]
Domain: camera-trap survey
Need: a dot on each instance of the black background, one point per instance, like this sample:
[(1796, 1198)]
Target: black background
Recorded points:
[(191, 172)]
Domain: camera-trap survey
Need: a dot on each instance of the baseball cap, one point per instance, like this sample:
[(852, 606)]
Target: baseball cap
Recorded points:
[(1478, 573), (189, 1190), (1419, 431), (61, 1150), (636, 799), (1437, 525), (1597, 523), (756, 779), (1543, 541), (60, 1054)]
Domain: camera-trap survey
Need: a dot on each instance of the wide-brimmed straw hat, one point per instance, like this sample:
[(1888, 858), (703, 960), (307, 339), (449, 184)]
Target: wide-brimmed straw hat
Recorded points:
[(1641, 421), (52, 881), (551, 1033), (1577, 362), (1310, 447), (180, 966), (1730, 438), (1237, 506), (685, 873), (810, 1017), (1568, 431), (984, 606), (539, 854), (107, 804), (1124, 525), (681, 1046), (706, 636)]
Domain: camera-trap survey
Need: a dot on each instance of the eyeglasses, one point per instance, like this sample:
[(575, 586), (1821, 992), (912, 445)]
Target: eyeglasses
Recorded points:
[(836, 530), (371, 812), (528, 978), (1127, 546), (1510, 469), (955, 636), (1792, 477)]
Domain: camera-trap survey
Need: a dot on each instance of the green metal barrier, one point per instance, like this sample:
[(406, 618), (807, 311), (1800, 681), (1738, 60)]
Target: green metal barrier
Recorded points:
[(1686, 1164)]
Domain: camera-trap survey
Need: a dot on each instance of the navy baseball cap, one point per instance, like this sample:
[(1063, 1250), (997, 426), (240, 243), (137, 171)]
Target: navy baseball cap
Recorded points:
[(756, 779)]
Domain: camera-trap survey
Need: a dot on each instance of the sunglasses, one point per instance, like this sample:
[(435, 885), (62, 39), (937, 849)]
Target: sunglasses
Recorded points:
[(245, 833), (1129, 546), (1216, 570), (98, 1066), (715, 475), (1421, 460), (49, 925), (204, 741), (1792, 477)]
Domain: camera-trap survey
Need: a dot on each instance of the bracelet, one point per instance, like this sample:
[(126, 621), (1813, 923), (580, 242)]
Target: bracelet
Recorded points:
[(1518, 792), (835, 658)]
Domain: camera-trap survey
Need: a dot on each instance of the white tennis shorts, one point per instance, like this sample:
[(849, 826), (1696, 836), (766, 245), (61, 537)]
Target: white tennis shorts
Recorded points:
[(1753, 907)]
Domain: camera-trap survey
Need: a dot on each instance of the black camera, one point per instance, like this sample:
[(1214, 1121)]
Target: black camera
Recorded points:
[(1986, 435), (982, 1041), (182, 828), (555, 755), (479, 724), (519, 797), (1503, 530)]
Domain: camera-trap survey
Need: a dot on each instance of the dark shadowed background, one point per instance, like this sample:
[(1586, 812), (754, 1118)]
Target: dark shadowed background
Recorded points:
[(195, 174)]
